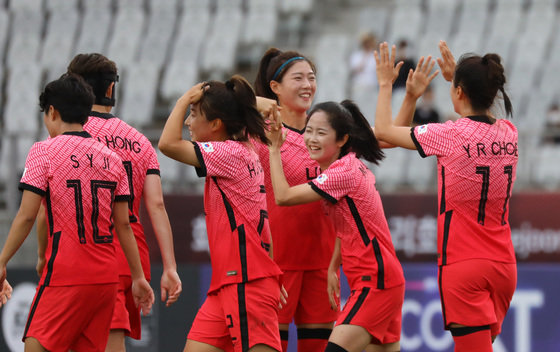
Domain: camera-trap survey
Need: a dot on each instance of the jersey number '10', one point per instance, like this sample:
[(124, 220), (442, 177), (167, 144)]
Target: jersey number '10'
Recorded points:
[(96, 185)]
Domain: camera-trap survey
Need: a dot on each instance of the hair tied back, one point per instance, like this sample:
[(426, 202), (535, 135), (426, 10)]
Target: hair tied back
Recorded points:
[(229, 85)]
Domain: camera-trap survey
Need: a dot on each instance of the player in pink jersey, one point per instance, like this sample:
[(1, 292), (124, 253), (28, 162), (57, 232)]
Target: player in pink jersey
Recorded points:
[(241, 310), (142, 167), (303, 236), (477, 159), (75, 177), (336, 136)]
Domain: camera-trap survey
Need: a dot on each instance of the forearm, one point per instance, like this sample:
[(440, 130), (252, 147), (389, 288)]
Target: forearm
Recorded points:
[(277, 177), (383, 120), (164, 236), (406, 112), (126, 239), (21, 226)]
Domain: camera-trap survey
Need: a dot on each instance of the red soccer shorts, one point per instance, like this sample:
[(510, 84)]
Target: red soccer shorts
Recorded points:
[(308, 300), (377, 311), (126, 315), (477, 292), (240, 316), (72, 317)]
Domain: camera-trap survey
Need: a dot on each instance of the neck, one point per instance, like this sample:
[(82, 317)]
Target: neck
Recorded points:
[(325, 164), (101, 108), (294, 119), (68, 127)]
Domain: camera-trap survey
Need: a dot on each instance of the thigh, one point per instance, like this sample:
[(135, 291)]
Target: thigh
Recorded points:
[(251, 310), (314, 306), (350, 337), (209, 327)]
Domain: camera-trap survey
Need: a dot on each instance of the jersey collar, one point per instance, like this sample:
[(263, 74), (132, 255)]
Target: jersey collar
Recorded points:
[(294, 129), (103, 115), (481, 118), (77, 133)]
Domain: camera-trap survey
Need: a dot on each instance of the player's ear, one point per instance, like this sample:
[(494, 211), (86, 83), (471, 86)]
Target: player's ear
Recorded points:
[(274, 86), (342, 141), (216, 124), (109, 92)]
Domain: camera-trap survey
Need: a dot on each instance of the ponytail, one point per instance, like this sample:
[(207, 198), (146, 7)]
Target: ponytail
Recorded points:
[(347, 119), (234, 103)]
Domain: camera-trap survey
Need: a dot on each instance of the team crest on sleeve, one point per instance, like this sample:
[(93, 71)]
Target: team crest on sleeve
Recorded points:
[(321, 178), (422, 129), (208, 147)]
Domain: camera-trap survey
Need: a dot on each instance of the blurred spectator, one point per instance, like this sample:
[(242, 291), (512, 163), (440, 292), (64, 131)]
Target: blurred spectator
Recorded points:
[(426, 111), (363, 75), (552, 125), (403, 54)]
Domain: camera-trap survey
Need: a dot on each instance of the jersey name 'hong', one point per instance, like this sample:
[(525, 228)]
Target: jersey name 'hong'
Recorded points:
[(139, 160)]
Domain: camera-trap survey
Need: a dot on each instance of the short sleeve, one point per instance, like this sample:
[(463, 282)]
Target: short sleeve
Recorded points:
[(220, 159), (434, 138), (153, 163), (334, 183), (36, 173), (122, 193)]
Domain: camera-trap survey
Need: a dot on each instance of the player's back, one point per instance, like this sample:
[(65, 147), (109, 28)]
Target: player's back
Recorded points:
[(81, 179), (139, 159)]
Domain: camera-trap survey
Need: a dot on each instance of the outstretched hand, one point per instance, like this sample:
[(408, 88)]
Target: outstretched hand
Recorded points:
[(419, 79), (5, 293), (171, 287), (333, 289), (446, 62), (386, 64)]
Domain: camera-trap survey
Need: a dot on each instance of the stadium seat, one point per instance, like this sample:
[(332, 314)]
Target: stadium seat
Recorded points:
[(139, 93), (25, 36), (95, 25), (21, 111), (155, 43), (125, 40), (391, 173), (439, 24), (178, 77), (411, 13), (58, 44)]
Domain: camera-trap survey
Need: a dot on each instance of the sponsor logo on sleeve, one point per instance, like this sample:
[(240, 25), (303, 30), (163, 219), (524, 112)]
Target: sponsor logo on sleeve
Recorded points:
[(422, 129), (321, 178)]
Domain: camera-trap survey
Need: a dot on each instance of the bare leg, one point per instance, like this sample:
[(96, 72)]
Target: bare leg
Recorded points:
[(116, 341), (195, 346), (33, 345)]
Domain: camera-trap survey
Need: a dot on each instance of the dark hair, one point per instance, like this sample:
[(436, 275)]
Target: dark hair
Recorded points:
[(99, 72), (347, 119), (71, 96), (481, 78), (234, 103), (273, 66)]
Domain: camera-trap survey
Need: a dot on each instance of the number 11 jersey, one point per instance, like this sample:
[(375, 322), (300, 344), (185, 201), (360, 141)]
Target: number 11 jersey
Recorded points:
[(477, 162)]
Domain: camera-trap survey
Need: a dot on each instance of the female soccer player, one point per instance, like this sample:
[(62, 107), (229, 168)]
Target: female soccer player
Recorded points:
[(241, 310), (303, 235), (84, 189), (477, 160)]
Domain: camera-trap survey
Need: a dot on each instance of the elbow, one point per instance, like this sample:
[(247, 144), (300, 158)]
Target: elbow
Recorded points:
[(381, 134), (163, 146), (281, 201)]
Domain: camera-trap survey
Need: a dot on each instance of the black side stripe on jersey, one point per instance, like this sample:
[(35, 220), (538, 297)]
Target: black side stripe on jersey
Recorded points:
[(200, 171), (358, 220), (417, 144), (153, 172), (243, 252), (50, 216), (26, 187), (380, 265), (262, 189), (54, 252), (243, 321), (322, 193), (509, 171), (32, 311), (446, 225), (356, 307), (442, 204), (227, 205), (262, 217), (440, 283)]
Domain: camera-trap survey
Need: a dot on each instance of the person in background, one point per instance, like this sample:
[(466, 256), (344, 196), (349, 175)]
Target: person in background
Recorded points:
[(426, 111)]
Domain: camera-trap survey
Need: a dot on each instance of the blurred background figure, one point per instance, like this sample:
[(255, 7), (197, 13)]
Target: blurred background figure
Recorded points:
[(362, 74), (426, 111), (551, 134), (403, 54)]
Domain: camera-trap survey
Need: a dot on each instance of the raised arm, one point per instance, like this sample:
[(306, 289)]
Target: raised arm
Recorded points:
[(171, 142), (385, 130), (283, 193), (170, 284)]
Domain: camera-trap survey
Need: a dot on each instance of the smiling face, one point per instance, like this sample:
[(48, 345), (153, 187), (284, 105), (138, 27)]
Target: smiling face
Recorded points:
[(199, 127), (320, 140), (297, 88)]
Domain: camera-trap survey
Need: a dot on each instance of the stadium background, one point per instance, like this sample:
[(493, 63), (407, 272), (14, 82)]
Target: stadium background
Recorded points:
[(162, 47)]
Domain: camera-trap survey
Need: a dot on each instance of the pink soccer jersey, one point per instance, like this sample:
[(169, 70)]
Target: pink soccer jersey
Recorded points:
[(354, 205), (477, 163), (303, 235), (236, 216), (79, 179), (139, 159)]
